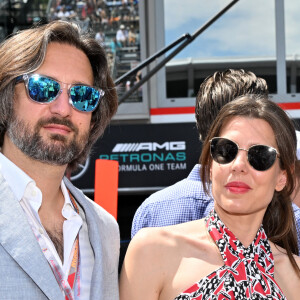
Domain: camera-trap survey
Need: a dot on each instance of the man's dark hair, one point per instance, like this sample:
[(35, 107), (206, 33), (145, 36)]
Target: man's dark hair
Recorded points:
[(221, 88)]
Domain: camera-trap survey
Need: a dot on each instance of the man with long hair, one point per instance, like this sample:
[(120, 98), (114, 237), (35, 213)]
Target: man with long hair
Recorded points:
[(56, 99)]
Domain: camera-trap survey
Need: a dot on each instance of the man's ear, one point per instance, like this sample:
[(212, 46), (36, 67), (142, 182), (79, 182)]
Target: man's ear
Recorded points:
[(281, 181)]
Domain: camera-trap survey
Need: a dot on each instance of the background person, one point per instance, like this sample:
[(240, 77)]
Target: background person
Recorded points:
[(131, 36), (245, 248), (186, 200), (121, 36), (100, 38), (56, 99), (115, 45)]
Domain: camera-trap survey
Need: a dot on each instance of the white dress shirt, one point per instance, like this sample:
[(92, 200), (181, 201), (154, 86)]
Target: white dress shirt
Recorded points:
[(30, 198)]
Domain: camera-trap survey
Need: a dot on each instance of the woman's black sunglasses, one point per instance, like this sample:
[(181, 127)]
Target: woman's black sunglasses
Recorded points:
[(43, 90), (260, 157)]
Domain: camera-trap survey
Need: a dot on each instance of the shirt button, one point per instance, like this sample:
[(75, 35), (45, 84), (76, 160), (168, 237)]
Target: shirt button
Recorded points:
[(33, 193), (41, 230)]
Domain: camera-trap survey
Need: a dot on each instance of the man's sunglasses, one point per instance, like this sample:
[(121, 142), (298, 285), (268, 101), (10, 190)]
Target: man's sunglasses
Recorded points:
[(260, 157), (43, 90)]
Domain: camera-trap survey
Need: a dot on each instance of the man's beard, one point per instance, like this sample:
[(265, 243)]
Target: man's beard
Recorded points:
[(56, 151)]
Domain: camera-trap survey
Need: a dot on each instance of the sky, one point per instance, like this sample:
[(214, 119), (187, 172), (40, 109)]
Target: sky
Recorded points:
[(246, 30)]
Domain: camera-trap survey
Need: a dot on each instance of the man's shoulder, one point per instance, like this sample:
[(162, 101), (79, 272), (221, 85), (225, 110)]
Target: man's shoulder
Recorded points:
[(100, 210), (182, 202), (296, 209), (190, 188), (90, 205)]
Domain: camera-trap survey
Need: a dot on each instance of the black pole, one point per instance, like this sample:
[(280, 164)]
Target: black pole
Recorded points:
[(152, 58), (9, 20), (177, 50)]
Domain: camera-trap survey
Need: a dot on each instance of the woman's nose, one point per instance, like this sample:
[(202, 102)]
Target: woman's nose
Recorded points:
[(240, 163)]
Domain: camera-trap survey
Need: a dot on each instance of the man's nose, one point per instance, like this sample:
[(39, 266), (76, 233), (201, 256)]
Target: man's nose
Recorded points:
[(61, 105)]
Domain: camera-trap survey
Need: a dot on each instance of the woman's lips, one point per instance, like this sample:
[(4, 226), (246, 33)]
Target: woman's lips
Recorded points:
[(238, 187)]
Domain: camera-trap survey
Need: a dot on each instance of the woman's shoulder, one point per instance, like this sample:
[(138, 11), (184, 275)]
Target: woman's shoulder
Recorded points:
[(152, 236), (168, 259), (285, 274), (281, 257), (151, 240)]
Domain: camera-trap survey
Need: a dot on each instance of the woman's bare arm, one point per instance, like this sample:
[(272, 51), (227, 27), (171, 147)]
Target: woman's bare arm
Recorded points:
[(142, 272)]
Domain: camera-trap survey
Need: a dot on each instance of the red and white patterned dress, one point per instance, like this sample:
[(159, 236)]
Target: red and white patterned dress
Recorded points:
[(248, 273)]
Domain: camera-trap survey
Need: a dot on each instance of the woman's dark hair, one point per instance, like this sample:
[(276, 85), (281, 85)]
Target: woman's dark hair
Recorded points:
[(25, 52), (279, 221)]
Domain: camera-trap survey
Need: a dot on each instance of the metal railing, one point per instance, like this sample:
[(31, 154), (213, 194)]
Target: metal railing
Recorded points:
[(185, 40)]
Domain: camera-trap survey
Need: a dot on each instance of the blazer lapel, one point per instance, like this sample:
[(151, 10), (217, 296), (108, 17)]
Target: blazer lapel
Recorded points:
[(19, 241), (102, 267)]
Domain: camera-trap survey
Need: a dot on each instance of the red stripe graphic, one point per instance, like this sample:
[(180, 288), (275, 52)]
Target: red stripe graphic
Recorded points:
[(191, 110), (172, 110), (290, 105)]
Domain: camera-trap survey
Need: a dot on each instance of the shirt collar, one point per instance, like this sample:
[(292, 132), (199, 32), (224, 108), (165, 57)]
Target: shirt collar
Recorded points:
[(15, 177), (66, 194), (18, 180)]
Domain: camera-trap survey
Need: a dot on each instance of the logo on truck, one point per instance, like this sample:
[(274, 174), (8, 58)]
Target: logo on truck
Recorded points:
[(137, 147), (149, 156)]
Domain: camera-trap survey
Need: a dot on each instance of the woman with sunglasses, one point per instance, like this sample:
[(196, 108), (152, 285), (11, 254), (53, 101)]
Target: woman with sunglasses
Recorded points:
[(245, 248)]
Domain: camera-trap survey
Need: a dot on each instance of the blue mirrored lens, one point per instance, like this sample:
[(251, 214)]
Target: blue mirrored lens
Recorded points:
[(84, 98), (42, 89)]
